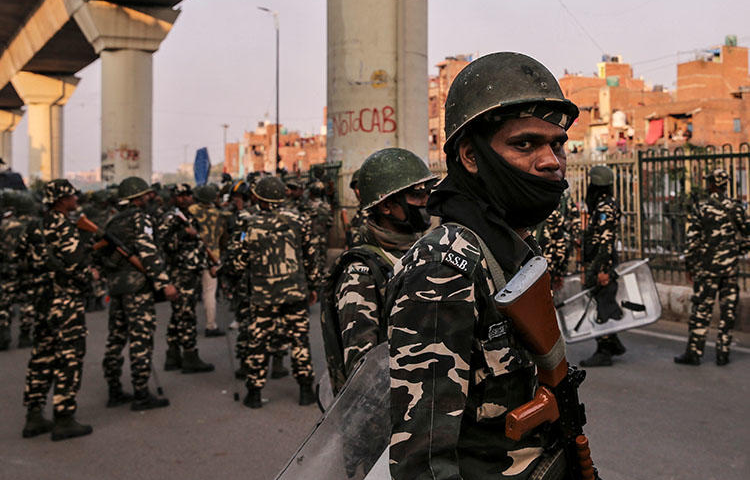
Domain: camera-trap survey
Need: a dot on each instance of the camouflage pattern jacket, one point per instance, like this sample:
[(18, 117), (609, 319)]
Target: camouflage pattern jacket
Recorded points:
[(600, 239), (22, 250), (277, 250), (135, 228), (213, 229), (355, 226), (555, 244), (452, 382), (713, 230), (66, 256), (182, 252)]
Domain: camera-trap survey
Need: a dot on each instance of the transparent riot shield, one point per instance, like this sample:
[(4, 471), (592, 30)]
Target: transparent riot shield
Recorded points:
[(636, 295), (354, 432)]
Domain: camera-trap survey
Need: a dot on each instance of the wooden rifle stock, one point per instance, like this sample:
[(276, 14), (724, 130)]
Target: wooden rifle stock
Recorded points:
[(87, 225), (527, 300)]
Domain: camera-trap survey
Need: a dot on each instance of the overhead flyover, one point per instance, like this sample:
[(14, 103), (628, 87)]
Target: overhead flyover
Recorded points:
[(44, 43)]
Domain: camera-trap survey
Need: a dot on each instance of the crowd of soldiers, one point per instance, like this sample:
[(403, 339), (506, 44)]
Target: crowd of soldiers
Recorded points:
[(457, 365), (134, 244)]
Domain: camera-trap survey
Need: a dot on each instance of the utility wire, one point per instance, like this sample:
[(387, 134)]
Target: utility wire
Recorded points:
[(581, 27)]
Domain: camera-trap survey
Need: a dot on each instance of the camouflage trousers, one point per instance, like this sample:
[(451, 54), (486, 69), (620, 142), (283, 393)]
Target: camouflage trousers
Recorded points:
[(57, 354), (243, 315), (292, 317), (23, 297), (181, 330), (705, 288), (132, 318)]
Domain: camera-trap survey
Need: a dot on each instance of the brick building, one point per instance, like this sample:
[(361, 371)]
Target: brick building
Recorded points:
[(438, 91), (255, 152), (710, 105)]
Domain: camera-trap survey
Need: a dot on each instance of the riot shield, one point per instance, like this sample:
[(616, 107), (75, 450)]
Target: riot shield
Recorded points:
[(354, 432), (636, 295)]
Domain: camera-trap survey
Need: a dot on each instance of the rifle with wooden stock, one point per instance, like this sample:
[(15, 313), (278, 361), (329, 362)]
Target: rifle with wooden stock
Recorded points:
[(106, 239), (527, 300)]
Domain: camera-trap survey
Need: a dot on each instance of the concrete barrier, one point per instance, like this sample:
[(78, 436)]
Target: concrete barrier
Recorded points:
[(675, 301)]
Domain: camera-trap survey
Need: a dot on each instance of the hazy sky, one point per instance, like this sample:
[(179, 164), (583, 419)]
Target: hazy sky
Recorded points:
[(217, 64)]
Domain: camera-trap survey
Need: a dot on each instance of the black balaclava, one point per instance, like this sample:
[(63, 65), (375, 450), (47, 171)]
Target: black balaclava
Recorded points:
[(523, 199), (417, 218), (594, 193)]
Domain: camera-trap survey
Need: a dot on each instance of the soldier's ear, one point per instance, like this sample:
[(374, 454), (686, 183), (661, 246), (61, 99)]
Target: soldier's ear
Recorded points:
[(467, 156), (385, 207)]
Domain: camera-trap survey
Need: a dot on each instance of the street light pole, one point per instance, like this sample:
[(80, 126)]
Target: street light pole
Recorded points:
[(278, 124)]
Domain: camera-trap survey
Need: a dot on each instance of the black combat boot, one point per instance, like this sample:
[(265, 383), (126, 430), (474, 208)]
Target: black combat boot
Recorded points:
[(174, 359), (4, 338), (145, 401), (24, 340), (277, 366), (306, 394), (615, 346), (600, 358), (67, 427), (36, 424), (118, 397), (192, 363), (688, 358), (252, 399), (722, 358), (215, 332), (99, 304)]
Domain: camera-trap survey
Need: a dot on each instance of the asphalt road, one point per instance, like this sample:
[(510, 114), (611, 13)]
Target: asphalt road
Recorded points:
[(648, 418)]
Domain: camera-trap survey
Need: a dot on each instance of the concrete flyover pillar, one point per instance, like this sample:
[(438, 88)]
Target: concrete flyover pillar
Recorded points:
[(44, 97), (125, 38), (8, 121), (377, 82)]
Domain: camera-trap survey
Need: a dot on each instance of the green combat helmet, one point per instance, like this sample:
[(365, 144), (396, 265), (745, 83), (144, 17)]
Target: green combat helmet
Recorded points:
[(601, 176), (56, 189), (206, 193), (390, 171), (501, 80), (132, 187), (270, 189), (355, 179), (718, 178)]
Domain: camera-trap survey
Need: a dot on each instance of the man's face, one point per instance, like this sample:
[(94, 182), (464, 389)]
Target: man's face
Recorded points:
[(69, 202), (184, 201), (295, 192), (533, 146)]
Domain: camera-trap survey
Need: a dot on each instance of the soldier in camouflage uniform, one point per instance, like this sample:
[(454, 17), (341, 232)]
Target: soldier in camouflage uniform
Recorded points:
[(600, 260), (457, 367), (60, 331), (213, 233), (278, 251), (185, 257), (714, 229), (394, 192), (132, 316), (554, 242), (18, 284), (96, 210), (321, 217)]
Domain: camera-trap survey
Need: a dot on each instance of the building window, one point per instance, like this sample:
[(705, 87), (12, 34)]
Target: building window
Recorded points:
[(737, 125)]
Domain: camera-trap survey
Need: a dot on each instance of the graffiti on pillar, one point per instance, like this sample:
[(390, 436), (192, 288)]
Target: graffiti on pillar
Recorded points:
[(130, 158), (366, 120)]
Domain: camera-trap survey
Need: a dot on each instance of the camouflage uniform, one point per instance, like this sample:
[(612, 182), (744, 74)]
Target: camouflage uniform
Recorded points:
[(600, 247), (12, 230), (96, 211), (241, 293), (321, 217), (712, 256), (555, 245), (355, 226), (277, 249), (60, 335), (185, 258), (450, 382), (132, 317)]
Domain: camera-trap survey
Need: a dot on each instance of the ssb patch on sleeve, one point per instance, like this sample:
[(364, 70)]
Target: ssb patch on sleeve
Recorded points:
[(462, 255)]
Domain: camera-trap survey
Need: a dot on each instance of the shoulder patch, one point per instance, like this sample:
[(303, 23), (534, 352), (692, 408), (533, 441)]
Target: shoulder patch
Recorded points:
[(358, 268), (461, 255)]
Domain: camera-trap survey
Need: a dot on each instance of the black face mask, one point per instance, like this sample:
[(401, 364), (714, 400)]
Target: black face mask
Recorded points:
[(417, 218), (524, 199)]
